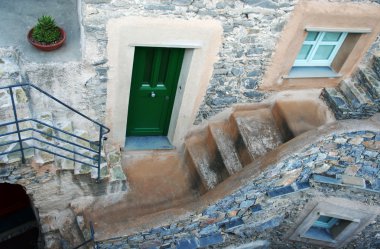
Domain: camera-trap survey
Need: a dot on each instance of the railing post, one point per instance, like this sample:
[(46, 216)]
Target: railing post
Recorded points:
[(100, 150), (17, 126)]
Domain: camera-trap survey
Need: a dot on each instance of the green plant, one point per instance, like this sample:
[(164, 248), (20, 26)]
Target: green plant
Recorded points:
[(46, 31)]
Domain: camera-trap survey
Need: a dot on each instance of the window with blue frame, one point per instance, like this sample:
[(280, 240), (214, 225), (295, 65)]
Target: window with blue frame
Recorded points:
[(326, 228), (319, 49)]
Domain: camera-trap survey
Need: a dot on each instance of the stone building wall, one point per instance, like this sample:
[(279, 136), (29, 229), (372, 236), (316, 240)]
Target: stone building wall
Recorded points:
[(251, 30), (58, 197), (266, 209), (57, 187)]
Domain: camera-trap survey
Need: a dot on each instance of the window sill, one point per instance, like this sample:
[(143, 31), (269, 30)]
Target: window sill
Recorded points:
[(311, 72)]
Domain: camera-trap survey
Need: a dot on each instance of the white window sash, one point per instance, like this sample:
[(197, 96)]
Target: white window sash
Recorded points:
[(309, 61)]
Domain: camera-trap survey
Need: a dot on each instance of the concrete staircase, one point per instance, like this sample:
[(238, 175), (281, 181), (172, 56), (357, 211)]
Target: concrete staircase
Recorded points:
[(223, 147), (357, 97), (225, 144)]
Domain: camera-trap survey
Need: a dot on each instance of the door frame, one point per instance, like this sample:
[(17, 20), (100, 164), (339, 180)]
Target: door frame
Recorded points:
[(201, 40)]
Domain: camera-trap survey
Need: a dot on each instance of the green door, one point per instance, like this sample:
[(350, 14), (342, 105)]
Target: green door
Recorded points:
[(154, 83)]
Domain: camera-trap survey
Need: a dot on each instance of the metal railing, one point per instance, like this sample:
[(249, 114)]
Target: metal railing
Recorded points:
[(91, 239), (93, 148)]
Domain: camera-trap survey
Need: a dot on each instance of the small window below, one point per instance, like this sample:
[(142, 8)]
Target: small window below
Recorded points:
[(326, 228), (319, 48), (332, 222)]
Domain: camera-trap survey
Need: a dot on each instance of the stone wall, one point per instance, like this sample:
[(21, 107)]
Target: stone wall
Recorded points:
[(343, 165), (59, 196), (251, 31), (57, 187)]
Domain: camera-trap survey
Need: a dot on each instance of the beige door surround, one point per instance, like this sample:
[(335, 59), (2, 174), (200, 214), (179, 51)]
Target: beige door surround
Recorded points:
[(202, 40)]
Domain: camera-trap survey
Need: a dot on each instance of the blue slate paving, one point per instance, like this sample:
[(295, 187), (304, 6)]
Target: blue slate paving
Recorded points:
[(190, 243), (166, 246), (247, 203), (280, 191), (209, 229), (335, 171), (256, 208), (302, 185), (233, 223), (276, 221), (376, 184), (325, 179), (210, 240)]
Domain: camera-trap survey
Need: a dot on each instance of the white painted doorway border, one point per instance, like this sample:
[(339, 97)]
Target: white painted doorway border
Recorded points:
[(201, 39)]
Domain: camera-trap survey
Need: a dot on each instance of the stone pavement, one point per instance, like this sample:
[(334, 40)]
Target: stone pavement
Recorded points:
[(19, 16)]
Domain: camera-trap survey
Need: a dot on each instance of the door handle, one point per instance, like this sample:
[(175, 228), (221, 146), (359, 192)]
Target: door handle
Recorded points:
[(153, 94)]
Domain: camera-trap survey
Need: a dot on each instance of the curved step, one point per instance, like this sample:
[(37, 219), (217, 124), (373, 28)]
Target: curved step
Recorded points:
[(206, 158), (258, 130), (224, 140)]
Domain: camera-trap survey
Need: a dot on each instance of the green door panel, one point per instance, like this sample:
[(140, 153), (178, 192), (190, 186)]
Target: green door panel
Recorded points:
[(154, 82)]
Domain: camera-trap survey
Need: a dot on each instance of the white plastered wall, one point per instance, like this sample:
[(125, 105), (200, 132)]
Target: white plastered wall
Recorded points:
[(202, 40)]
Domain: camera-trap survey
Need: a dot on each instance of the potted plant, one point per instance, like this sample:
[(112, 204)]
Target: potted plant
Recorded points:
[(46, 35)]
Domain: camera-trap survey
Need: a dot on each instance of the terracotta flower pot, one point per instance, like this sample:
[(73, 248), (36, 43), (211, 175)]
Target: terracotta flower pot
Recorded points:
[(47, 47)]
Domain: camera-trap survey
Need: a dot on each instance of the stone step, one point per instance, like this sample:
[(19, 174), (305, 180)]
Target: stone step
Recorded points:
[(66, 164), (358, 98), (226, 146), (61, 162), (258, 130), (43, 157), (243, 153), (206, 158), (111, 165), (10, 72), (337, 102), (370, 80), (103, 172), (6, 115), (81, 168)]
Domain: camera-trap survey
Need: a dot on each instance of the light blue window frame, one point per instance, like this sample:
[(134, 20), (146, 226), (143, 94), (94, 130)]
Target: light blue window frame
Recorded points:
[(327, 222), (310, 61)]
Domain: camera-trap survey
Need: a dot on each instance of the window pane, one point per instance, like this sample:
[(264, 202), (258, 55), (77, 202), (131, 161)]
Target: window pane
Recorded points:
[(324, 219), (305, 50), (311, 36), (332, 36), (323, 52)]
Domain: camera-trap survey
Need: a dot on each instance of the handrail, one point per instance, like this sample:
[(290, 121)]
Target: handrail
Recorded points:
[(93, 148), (55, 128), (57, 100), (92, 238)]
